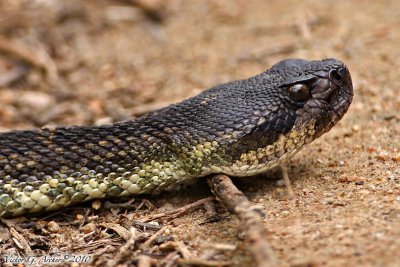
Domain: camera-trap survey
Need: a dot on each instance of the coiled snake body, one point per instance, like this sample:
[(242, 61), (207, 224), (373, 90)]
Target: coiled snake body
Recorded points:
[(239, 128)]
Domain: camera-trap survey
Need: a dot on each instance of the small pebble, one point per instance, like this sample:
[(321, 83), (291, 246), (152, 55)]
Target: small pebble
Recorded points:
[(364, 192), (280, 182), (79, 217), (396, 158), (285, 213), (88, 228), (355, 128), (328, 201), (383, 156), (96, 204), (35, 100), (103, 121), (53, 227)]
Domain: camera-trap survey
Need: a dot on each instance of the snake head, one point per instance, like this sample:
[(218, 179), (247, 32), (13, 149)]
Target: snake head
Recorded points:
[(284, 108), (321, 91)]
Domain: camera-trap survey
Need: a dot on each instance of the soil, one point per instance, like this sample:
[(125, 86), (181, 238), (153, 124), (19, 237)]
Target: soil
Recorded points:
[(95, 62)]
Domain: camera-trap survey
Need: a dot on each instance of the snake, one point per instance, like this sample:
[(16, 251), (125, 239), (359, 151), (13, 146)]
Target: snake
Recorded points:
[(240, 128)]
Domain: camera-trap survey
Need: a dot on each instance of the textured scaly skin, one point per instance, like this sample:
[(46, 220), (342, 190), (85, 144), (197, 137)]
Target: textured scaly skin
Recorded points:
[(239, 128)]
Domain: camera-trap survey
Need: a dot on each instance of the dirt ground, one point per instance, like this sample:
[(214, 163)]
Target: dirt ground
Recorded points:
[(94, 62)]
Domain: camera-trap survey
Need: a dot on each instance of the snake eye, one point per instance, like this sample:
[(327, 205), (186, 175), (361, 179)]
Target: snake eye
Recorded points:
[(299, 92)]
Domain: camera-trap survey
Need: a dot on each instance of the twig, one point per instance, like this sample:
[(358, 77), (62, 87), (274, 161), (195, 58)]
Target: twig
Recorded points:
[(124, 250), (286, 179), (153, 9), (281, 49), (178, 212), (110, 205), (304, 27), (18, 239), (21, 242), (153, 237), (200, 262), (219, 246), (121, 231), (146, 203), (147, 226), (144, 261), (178, 246), (95, 245), (238, 203), (13, 75), (182, 248), (38, 59), (171, 259)]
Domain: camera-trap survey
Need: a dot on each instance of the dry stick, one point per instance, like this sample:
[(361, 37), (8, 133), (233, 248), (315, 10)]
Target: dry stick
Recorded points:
[(200, 262), (180, 247), (30, 56), (170, 260), (237, 202), (178, 212), (286, 179), (153, 9), (21, 242), (153, 237), (124, 250), (144, 261), (18, 239), (304, 26), (13, 75)]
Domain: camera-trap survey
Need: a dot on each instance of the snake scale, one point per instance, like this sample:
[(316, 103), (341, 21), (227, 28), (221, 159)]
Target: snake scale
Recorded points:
[(240, 128)]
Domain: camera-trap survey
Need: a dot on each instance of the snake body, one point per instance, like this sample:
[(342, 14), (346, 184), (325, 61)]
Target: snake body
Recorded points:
[(239, 128)]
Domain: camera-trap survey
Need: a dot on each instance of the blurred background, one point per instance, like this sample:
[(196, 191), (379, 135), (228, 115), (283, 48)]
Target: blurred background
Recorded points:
[(94, 62), (88, 62)]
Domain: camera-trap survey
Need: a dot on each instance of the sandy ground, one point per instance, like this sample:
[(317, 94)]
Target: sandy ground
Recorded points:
[(92, 62)]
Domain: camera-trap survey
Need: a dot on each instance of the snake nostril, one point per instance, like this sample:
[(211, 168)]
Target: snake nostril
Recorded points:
[(340, 74), (335, 75)]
